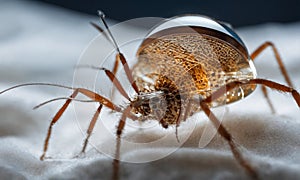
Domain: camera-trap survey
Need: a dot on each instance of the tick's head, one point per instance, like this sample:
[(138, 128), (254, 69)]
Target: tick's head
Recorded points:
[(149, 105)]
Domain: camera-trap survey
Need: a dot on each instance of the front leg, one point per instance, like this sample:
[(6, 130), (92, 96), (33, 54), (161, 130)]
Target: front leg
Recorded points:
[(92, 95)]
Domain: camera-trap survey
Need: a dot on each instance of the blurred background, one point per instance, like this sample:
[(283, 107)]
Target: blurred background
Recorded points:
[(238, 13)]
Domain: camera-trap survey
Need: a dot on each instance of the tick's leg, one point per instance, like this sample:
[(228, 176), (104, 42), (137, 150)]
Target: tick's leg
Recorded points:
[(128, 72), (283, 70), (114, 71), (54, 120), (119, 56), (177, 124), (116, 64), (97, 27), (225, 134), (271, 84), (88, 93), (91, 127), (111, 77), (116, 82), (265, 92), (120, 127), (278, 87), (221, 130)]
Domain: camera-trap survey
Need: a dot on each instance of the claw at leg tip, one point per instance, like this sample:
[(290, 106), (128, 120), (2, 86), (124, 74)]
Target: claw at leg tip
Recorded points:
[(101, 14)]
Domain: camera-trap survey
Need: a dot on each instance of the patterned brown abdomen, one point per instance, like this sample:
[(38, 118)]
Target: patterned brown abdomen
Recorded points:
[(197, 63)]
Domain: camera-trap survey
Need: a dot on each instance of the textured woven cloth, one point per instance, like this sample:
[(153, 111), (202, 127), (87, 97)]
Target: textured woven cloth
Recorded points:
[(41, 43)]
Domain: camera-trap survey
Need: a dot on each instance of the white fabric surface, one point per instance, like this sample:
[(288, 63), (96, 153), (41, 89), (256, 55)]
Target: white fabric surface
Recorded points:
[(42, 44)]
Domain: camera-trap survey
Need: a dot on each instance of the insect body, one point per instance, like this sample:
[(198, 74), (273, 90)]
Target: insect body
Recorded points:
[(188, 60), (185, 64)]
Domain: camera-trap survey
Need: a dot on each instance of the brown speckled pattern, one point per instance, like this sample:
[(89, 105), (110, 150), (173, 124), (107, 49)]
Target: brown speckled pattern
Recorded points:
[(186, 65)]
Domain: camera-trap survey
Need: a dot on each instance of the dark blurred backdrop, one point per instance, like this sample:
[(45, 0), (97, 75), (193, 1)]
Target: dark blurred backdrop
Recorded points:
[(238, 13)]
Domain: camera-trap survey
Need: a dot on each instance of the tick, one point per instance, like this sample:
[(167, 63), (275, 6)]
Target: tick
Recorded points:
[(186, 64)]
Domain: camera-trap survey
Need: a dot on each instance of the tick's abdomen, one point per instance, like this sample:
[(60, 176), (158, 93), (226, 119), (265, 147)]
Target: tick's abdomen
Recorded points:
[(196, 60)]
